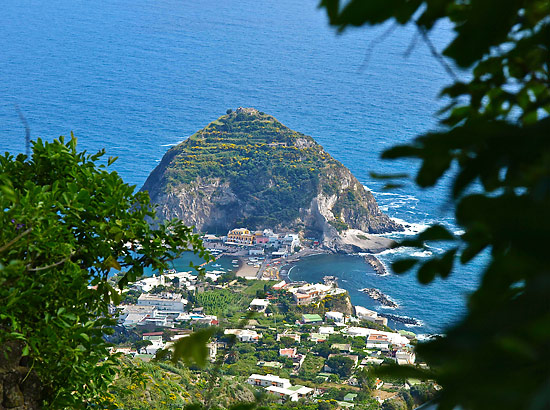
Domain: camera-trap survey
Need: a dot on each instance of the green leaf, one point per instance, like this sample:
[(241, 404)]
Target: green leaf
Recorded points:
[(111, 263), (83, 196), (428, 271), (193, 349), (25, 351), (403, 265), (436, 233)]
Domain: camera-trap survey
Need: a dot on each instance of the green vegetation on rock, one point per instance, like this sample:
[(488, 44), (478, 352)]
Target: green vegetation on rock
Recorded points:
[(248, 169)]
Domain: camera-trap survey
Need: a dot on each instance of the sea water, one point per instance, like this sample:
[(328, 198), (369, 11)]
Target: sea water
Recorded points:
[(136, 77)]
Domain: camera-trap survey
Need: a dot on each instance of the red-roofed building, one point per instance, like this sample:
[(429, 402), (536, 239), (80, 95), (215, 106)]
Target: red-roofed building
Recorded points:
[(289, 352)]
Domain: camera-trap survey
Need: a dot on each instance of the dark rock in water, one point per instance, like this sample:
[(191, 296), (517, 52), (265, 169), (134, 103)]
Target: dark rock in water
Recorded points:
[(330, 281), (401, 319), (377, 295), (378, 266)]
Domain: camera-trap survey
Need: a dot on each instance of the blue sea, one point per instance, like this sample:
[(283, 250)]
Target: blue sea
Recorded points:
[(136, 77)]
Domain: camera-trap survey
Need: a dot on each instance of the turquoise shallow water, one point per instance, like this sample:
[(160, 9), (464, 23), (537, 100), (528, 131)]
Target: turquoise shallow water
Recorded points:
[(136, 77)]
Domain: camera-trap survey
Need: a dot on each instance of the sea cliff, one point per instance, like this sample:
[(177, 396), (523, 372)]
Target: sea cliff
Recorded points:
[(248, 169)]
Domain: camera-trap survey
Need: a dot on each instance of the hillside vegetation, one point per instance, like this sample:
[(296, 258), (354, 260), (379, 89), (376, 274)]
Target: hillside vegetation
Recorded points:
[(248, 169)]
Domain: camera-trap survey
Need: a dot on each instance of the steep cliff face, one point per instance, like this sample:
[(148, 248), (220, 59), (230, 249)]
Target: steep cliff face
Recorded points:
[(247, 169)]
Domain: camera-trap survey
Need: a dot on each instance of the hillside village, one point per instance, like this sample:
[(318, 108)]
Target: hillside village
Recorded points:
[(302, 342)]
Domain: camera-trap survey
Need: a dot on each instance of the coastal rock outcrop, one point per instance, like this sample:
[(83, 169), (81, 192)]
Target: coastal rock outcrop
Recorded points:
[(248, 169)]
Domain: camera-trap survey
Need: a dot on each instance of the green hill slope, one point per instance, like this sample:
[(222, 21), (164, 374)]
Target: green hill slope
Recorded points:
[(248, 169)]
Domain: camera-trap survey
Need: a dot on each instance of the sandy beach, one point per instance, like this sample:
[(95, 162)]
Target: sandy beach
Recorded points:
[(246, 271)]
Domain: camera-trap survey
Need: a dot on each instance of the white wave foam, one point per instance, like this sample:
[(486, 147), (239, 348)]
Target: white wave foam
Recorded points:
[(379, 275), (385, 193), (394, 251), (418, 323), (425, 337), (413, 228), (290, 270), (169, 145), (421, 254)]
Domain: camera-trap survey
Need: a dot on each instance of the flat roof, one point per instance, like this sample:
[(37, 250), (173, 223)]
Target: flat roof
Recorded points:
[(314, 316)]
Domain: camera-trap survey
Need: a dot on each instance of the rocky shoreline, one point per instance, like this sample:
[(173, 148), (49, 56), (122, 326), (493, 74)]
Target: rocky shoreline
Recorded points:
[(377, 295), (378, 266)]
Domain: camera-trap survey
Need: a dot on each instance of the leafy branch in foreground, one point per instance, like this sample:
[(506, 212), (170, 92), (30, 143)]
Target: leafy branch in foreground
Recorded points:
[(66, 223), (494, 141)]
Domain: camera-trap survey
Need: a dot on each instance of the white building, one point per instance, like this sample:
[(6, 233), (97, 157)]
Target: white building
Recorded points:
[(370, 315), (372, 360), (293, 393), (393, 338), (156, 339), (404, 357), (197, 318), (259, 305), (212, 351), (292, 241), (147, 284), (280, 253), (131, 315), (337, 317), (160, 321), (294, 336), (244, 335), (377, 341), (279, 285), (308, 293), (213, 275), (166, 301), (268, 380), (326, 330)]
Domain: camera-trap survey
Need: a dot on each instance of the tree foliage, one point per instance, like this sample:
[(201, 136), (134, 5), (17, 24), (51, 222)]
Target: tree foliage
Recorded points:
[(341, 365), (66, 223), (494, 142)]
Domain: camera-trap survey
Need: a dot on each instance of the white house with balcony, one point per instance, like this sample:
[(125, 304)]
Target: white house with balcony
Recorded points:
[(293, 393), (370, 315), (405, 357), (337, 317), (165, 301), (244, 335), (268, 380), (258, 305)]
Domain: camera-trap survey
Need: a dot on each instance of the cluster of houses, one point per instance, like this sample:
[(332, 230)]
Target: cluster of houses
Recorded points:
[(161, 310), (182, 280), (157, 342), (257, 241), (168, 309), (306, 294)]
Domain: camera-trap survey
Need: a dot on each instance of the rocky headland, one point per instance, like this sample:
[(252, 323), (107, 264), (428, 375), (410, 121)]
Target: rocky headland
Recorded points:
[(247, 169)]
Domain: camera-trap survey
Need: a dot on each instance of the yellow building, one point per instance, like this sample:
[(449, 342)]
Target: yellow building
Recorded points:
[(242, 236)]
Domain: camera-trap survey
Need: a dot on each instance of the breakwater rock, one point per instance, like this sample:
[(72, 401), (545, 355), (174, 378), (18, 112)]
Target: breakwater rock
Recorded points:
[(378, 266), (410, 321), (377, 295)]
